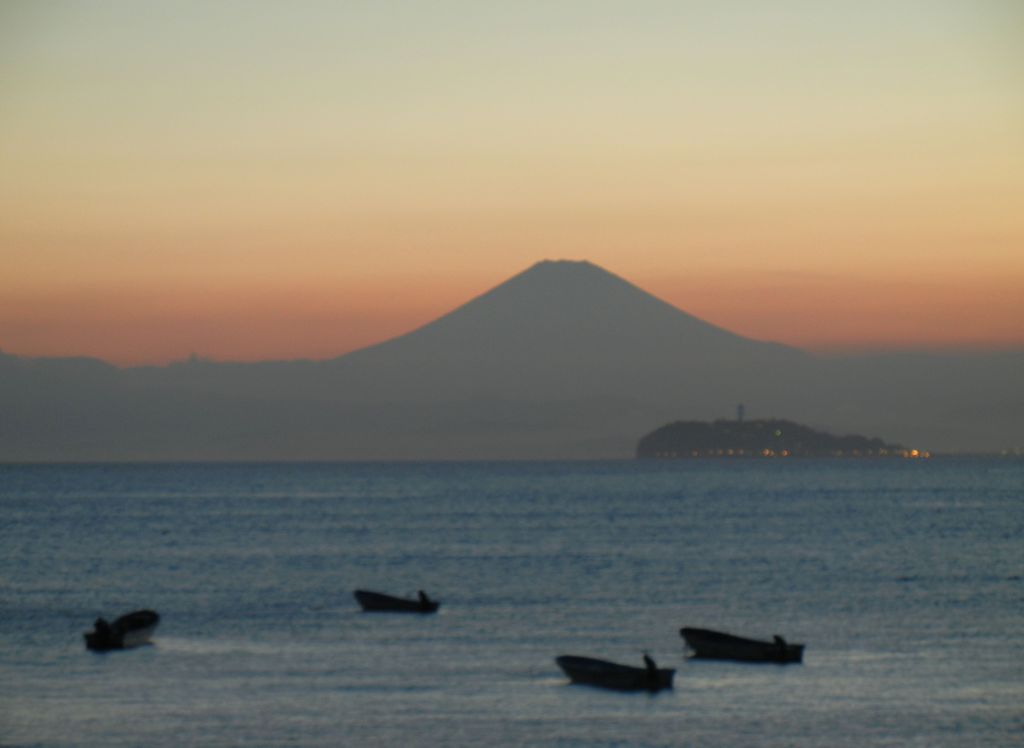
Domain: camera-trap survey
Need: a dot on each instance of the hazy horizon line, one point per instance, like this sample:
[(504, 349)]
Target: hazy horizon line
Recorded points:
[(820, 351)]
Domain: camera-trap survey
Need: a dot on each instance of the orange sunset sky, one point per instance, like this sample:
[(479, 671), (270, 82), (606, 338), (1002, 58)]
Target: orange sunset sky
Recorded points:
[(260, 180)]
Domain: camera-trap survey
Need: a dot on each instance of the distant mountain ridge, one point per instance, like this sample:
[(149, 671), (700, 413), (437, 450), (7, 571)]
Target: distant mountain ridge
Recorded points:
[(563, 360)]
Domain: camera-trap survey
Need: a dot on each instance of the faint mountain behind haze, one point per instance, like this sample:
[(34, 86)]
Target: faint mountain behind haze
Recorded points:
[(564, 360), (559, 329), (555, 302)]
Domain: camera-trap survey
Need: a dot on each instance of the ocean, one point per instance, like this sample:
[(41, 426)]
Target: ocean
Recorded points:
[(903, 578)]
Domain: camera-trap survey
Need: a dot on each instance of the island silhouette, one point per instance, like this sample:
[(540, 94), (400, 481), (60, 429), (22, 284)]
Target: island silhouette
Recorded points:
[(760, 438)]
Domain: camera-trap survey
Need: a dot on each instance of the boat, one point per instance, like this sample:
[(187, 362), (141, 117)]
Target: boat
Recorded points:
[(378, 602), (715, 645), (130, 630), (593, 672)]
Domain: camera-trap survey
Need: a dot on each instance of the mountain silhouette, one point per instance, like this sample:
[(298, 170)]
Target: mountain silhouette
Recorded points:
[(555, 303), (559, 329), (563, 360)]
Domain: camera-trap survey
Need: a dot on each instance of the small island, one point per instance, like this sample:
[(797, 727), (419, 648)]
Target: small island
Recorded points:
[(760, 438)]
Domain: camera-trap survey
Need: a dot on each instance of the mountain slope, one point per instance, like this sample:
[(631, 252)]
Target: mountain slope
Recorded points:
[(554, 303), (557, 301), (564, 329)]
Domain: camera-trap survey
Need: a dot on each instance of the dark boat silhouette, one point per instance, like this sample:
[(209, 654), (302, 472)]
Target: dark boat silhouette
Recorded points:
[(129, 630), (604, 674), (715, 645), (378, 602)]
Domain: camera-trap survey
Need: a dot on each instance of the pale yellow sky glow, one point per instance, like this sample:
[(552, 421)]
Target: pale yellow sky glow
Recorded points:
[(254, 180)]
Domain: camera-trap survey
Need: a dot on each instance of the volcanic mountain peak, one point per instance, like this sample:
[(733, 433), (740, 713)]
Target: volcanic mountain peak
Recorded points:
[(564, 300)]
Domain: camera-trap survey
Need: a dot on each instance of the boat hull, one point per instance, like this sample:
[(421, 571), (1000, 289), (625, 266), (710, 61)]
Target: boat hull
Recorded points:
[(131, 630), (603, 674), (376, 602), (716, 645)]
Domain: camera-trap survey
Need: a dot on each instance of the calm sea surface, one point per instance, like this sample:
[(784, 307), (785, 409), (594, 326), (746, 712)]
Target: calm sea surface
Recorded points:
[(904, 579)]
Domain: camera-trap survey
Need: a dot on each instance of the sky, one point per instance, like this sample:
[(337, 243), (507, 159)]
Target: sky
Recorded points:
[(264, 180)]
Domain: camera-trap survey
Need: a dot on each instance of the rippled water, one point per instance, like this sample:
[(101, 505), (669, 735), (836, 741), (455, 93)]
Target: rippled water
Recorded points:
[(904, 579)]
